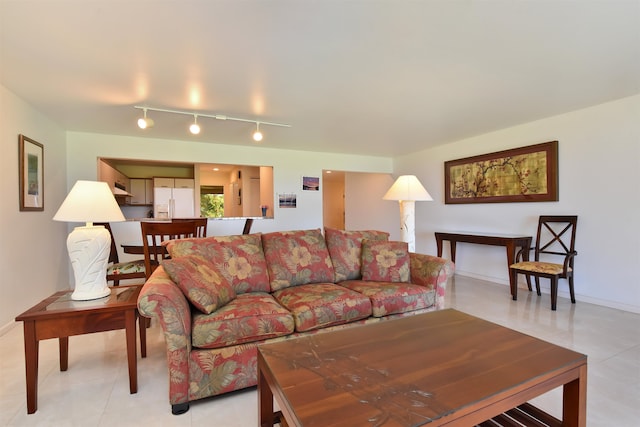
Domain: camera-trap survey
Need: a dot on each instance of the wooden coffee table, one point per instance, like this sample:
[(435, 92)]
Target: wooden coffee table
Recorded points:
[(440, 368), (60, 317)]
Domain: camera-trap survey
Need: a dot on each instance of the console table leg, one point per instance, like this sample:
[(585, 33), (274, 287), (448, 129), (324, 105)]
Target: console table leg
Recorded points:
[(31, 346), (63, 343)]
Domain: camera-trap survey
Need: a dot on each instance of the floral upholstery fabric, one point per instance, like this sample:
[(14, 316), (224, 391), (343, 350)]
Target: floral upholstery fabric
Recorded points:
[(392, 298), (250, 317), (385, 261), (345, 248), (540, 267), (199, 280), (320, 305), (297, 258), (136, 266), (239, 258)]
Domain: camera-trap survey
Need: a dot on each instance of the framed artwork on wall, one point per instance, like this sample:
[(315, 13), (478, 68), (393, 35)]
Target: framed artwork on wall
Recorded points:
[(31, 174), (311, 183), (525, 174)]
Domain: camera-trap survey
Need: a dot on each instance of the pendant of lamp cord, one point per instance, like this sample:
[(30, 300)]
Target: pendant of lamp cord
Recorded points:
[(257, 135), (195, 127)]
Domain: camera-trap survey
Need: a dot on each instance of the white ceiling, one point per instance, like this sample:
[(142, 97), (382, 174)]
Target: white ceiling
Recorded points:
[(368, 77)]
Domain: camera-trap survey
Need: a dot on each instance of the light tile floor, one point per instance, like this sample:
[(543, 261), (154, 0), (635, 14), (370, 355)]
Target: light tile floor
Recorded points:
[(95, 391)]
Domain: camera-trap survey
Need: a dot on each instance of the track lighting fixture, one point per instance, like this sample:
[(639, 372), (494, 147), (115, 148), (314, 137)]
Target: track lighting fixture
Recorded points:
[(144, 122), (257, 135), (194, 128)]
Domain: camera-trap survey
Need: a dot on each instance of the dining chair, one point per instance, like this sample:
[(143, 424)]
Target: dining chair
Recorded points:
[(555, 240), (201, 224), (154, 233), (117, 270), (247, 226)]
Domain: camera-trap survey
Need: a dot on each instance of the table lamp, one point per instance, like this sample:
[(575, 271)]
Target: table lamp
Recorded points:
[(89, 246), (407, 190)]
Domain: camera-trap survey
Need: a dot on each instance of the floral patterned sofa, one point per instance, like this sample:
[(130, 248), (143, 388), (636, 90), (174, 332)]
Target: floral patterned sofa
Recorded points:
[(217, 298)]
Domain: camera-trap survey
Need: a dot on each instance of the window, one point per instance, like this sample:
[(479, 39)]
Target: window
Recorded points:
[(212, 201)]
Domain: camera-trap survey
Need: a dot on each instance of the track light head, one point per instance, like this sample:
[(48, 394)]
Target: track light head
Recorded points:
[(195, 127), (257, 135), (144, 122)]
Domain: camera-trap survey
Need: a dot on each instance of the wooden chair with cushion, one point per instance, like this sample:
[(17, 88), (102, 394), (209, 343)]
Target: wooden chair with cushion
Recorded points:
[(201, 224), (154, 233), (117, 270), (556, 239)]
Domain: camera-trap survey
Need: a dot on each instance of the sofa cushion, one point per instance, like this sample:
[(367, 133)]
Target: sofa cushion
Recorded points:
[(200, 281), (297, 258), (320, 305), (239, 258), (385, 261), (250, 317), (391, 298), (345, 250)]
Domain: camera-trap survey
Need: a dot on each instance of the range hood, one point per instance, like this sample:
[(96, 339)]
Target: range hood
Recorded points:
[(117, 191)]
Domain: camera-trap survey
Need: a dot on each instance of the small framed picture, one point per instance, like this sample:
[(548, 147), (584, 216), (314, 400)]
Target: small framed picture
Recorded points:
[(311, 183), (31, 170), (287, 200)]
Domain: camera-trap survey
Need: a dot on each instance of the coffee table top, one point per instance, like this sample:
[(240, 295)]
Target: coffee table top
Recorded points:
[(408, 371)]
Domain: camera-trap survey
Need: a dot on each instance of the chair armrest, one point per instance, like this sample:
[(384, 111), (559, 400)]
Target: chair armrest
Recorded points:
[(160, 298), (568, 261), (431, 272)]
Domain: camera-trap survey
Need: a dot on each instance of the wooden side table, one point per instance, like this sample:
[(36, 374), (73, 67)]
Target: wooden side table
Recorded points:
[(58, 316)]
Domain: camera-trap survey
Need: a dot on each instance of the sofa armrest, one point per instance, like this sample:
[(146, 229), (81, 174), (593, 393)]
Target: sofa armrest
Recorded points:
[(161, 299), (431, 272)]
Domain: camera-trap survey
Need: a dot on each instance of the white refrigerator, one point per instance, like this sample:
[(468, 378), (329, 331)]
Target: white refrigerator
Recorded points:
[(173, 199)]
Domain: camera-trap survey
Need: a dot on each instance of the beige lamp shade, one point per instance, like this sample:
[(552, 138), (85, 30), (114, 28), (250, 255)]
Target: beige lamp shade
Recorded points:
[(89, 201), (89, 245), (407, 187)]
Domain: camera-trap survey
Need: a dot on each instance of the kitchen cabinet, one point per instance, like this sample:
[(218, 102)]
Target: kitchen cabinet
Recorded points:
[(142, 190), (173, 198)]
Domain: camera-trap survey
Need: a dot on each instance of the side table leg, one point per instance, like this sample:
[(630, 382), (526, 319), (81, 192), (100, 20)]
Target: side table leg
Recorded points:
[(31, 346), (130, 327), (142, 324), (63, 343)]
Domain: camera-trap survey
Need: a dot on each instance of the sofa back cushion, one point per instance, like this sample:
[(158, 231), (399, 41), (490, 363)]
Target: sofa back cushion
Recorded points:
[(239, 258), (385, 261), (200, 281), (345, 248), (297, 258)]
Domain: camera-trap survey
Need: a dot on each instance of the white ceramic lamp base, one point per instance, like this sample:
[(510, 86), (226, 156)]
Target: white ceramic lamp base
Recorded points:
[(408, 223), (89, 249)]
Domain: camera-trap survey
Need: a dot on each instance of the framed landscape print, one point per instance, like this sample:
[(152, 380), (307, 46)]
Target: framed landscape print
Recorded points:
[(525, 174), (31, 171)]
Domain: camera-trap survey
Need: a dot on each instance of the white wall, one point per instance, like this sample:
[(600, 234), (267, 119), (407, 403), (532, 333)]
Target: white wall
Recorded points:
[(33, 256), (599, 175), (288, 168)]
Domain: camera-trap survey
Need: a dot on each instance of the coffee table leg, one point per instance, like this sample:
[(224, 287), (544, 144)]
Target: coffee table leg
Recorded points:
[(574, 401), (130, 327), (31, 346), (265, 402)]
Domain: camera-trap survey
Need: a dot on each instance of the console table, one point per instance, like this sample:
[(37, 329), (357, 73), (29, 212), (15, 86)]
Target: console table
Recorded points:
[(510, 241)]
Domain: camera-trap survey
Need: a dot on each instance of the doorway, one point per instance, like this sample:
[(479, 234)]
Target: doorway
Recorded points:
[(333, 193)]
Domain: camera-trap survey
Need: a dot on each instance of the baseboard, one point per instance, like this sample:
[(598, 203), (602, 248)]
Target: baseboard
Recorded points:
[(6, 328), (561, 293)]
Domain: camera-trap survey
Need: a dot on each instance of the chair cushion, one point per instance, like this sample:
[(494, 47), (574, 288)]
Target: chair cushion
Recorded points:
[(320, 305), (345, 248), (250, 317), (385, 261), (239, 258), (130, 267), (391, 298), (297, 258), (540, 267), (200, 281)]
